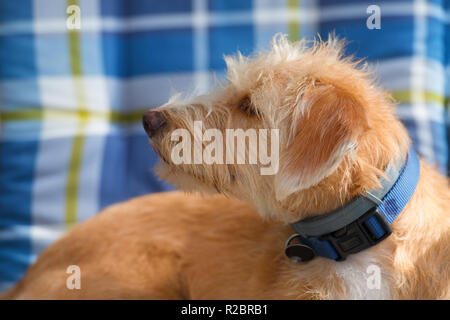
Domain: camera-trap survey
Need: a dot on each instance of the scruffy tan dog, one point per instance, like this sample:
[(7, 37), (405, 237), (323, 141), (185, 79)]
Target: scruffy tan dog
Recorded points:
[(337, 134)]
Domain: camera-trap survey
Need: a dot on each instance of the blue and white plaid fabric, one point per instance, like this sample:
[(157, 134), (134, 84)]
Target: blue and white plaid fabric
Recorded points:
[(71, 142)]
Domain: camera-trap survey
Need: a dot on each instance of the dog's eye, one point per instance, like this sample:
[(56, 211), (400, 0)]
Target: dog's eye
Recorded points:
[(245, 105)]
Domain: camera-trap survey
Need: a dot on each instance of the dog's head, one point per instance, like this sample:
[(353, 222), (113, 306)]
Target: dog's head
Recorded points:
[(311, 123)]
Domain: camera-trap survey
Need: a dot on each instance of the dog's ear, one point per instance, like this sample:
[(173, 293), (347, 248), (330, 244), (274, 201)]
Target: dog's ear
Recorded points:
[(327, 131)]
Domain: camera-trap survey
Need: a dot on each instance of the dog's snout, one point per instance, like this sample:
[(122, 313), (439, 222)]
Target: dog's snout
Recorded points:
[(153, 121)]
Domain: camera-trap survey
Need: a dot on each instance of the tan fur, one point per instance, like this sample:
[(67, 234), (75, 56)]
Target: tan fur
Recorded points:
[(338, 132), (172, 246)]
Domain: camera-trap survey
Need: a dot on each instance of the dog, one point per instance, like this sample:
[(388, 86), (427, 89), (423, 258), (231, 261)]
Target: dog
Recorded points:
[(262, 237)]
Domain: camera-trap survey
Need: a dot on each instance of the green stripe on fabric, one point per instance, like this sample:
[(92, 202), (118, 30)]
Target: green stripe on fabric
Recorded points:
[(83, 116), (34, 114), (73, 179), (26, 114), (406, 96), (294, 28), (130, 117)]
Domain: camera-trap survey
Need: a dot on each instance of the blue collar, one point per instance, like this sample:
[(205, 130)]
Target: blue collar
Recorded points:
[(360, 224)]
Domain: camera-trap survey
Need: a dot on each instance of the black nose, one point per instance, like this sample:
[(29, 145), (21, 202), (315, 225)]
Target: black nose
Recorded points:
[(153, 121)]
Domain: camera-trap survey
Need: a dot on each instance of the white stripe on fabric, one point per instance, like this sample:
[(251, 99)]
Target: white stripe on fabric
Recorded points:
[(44, 235), (418, 73), (435, 112), (58, 92), (90, 175), (97, 98), (395, 74), (339, 11), (263, 16), (49, 192), (262, 31), (134, 91), (52, 157), (201, 45)]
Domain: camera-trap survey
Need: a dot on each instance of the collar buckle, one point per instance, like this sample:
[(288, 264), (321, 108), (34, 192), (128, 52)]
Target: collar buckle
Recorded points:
[(357, 236)]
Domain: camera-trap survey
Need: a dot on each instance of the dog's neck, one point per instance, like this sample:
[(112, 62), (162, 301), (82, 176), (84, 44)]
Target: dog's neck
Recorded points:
[(363, 222)]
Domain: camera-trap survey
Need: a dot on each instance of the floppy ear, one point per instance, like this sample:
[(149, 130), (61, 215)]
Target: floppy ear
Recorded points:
[(327, 132)]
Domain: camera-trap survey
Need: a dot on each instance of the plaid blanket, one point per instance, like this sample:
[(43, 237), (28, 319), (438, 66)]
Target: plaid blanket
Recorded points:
[(71, 98)]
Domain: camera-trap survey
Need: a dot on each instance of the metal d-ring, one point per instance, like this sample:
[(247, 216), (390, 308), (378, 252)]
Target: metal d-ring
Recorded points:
[(298, 252)]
